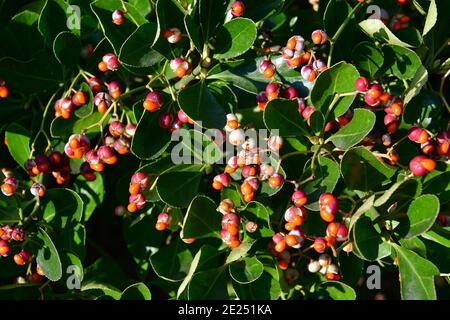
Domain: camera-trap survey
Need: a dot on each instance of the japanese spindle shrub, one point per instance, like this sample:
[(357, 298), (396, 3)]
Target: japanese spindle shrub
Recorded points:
[(215, 149)]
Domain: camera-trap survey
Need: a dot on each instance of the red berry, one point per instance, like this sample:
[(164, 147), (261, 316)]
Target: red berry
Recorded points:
[(361, 84), (237, 8), (299, 198), (118, 17), (421, 165)]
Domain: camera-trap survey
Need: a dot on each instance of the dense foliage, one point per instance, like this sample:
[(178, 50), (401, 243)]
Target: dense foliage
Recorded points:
[(217, 149)]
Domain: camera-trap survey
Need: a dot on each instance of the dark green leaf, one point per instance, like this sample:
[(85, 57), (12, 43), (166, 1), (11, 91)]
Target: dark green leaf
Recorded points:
[(202, 219), (62, 207), (211, 285), (367, 241), (246, 270), (421, 215), (416, 275), (362, 170), (377, 30), (359, 127), (48, 257), (367, 58), (201, 104), (67, 48), (338, 290), (18, 142), (172, 262), (266, 287), (283, 115), (235, 38), (340, 78), (137, 291), (401, 62)]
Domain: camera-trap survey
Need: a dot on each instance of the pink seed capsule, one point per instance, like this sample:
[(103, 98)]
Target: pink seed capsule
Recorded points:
[(308, 73), (118, 17), (299, 198), (362, 84), (230, 218), (116, 128), (165, 120), (105, 152), (290, 93), (320, 244), (141, 179), (251, 226), (112, 62), (224, 179)]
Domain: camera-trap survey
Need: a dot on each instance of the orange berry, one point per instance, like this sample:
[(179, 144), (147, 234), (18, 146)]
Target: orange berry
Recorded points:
[(102, 66), (291, 240), (248, 197), (280, 246), (290, 226), (234, 243), (180, 72), (134, 188), (230, 169), (232, 229), (112, 160), (283, 264), (99, 167), (428, 164), (132, 207), (269, 73), (232, 124), (326, 216), (4, 92), (161, 226), (298, 220), (39, 270)]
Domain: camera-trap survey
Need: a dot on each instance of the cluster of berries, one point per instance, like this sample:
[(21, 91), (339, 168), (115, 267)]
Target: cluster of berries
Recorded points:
[(65, 106), (8, 234), (56, 163), (139, 182), (325, 267), (273, 91), (173, 122), (230, 223), (375, 96)]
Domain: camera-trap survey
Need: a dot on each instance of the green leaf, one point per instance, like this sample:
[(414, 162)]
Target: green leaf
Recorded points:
[(367, 58), (246, 270), (338, 291), (144, 145), (283, 115), (437, 182), (211, 285), (439, 235), (422, 214), (91, 192), (169, 14), (172, 262), (68, 259), (40, 74), (340, 78), (235, 38), (402, 62), (137, 291), (212, 16), (377, 30), (116, 35), (239, 252), (416, 275), (62, 207), (367, 241), (365, 207), (361, 170), (193, 32), (335, 14), (359, 127), (9, 215), (257, 212), (266, 287), (431, 19), (87, 109), (398, 191), (201, 104), (18, 142), (424, 109), (416, 85), (53, 20), (202, 218), (48, 257), (67, 48), (245, 75), (179, 185), (351, 268), (137, 50), (61, 127)]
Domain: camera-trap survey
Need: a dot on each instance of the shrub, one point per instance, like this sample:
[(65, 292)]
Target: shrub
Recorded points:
[(217, 149)]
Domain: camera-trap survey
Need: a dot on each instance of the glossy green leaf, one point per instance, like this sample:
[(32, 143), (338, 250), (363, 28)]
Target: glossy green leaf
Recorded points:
[(201, 104), (266, 287), (262, 9), (211, 285), (283, 115), (367, 241), (416, 275), (359, 127), (421, 215), (402, 62), (362, 170), (246, 270), (377, 30), (67, 48), (431, 19), (235, 38), (439, 235), (437, 182), (91, 192), (340, 78), (202, 218), (48, 257), (18, 142), (53, 19), (137, 50), (338, 291), (137, 291), (211, 16), (62, 207), (149, 140), (172, 262), (367, 58), (116, 35)]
